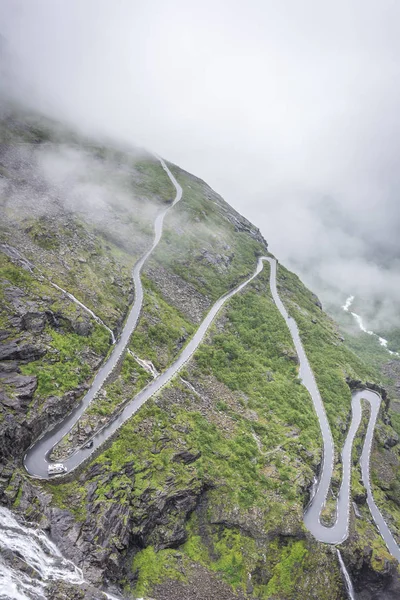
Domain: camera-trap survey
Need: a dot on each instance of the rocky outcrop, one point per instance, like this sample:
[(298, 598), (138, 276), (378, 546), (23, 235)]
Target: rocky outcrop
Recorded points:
[(61, 590), (33, 321), (104, 539), (24, 387), (20, 350), (186, 457), (18, 430), (371, 584), (179, 292), (357, 384), (221, 261)]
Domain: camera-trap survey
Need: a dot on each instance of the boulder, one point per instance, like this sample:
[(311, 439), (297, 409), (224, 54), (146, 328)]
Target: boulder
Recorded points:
[(24, 387), (21, 351), (186, 457), (33, 321)]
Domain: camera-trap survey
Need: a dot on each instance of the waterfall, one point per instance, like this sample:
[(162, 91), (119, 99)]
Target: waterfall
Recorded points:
[(28, 560), (346, 577), (361, 325)]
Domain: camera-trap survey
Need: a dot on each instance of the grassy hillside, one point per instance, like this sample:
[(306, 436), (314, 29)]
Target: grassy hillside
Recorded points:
[(201, 494)]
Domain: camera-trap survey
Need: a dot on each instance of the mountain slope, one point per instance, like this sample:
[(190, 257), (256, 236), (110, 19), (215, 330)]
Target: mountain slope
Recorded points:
[(202, 492)]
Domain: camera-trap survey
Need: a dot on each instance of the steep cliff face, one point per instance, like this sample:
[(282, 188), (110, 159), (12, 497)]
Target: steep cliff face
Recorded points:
[(201, 493)]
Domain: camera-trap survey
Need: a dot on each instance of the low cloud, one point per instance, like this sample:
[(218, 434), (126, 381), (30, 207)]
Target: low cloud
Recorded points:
[(288, 109)]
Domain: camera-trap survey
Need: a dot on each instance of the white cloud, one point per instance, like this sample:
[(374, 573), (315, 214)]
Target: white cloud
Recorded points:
[(276, 104)]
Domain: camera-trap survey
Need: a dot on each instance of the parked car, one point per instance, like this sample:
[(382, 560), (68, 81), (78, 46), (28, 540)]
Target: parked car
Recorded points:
[(56, 469)]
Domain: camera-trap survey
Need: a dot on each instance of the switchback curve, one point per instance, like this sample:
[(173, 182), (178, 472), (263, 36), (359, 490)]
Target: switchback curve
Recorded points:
[(312, 516)]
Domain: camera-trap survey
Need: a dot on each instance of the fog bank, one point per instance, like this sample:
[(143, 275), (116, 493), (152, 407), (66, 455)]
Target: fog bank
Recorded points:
[(288, 109)]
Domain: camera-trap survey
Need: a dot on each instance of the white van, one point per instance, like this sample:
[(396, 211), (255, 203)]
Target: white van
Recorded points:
[(56, 468)]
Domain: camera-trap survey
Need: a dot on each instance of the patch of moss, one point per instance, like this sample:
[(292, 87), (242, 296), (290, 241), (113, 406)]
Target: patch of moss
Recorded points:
[(64, 368), (162, 330), (154, 180), (154, 567), (202, 245), (131, 379), (69, 496)]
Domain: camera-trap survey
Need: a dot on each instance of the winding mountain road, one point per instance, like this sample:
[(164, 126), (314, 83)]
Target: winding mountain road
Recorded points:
[(36, 459), (312, 516)]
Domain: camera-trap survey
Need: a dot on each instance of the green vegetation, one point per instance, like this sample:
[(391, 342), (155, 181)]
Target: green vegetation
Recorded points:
[(64, 365), (255, 354), (40, 231), (162, 330), (393, 338), (130, 380), (154, 180), (70, 496), (395, 420), (220, 469), (154, 567), (254, 442), (212, 254), (233, 554), (330, 359), (286, 572), (64, 369)]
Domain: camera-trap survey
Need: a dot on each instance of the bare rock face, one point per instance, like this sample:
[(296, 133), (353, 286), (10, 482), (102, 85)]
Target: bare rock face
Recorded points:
[(179, 292), (186, 457), (33, 321), (19, 350), (24, 387), (372, 585), (61, 590), (104, 539)]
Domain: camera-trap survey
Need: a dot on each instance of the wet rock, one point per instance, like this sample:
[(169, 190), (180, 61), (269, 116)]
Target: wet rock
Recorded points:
[(16, 257), (186, 457), (52, 319), (61, 590), (9, 367), (360, 498), (21, 351), (81, 326), (163, 524), (18, 563), (370, 584), (33, 321), (391, 440), (23, 386)]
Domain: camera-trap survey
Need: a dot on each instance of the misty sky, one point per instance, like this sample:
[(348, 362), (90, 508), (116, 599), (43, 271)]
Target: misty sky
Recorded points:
[(288, 108)]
